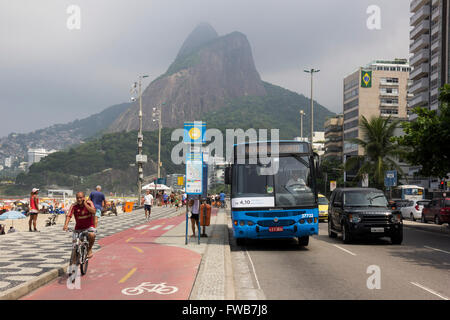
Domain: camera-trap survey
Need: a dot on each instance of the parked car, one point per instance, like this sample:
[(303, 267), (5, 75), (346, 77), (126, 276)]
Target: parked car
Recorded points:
[(438, 210), (411, 209), (323, 208), (363, 212)]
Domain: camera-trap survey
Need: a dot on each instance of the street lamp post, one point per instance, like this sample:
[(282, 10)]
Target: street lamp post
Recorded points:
[(312, 71), (140, 158), (302, 113), (157, 114)]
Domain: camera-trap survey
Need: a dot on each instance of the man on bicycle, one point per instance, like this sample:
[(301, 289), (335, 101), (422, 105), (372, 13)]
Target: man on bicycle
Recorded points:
[(84, 212)]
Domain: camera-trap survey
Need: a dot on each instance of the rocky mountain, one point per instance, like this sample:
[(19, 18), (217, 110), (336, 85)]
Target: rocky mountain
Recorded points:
[(208, 71), (59, 136)]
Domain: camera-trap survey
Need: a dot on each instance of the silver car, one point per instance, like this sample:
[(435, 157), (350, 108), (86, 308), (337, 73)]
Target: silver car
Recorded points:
[(411, 209)]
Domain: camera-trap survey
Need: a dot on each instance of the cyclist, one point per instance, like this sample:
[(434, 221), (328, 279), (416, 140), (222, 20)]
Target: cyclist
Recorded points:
[(84, 212), (222, 199)]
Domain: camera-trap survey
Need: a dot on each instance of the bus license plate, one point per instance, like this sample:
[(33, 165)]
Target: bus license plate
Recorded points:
[(377, 230), (275, 229)]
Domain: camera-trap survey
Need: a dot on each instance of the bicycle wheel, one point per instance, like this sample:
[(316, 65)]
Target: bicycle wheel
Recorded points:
[(73, 263), (83, 259)]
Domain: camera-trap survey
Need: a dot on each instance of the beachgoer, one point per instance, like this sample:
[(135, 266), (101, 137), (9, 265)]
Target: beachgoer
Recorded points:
[(98, 198), (84, 212), (11, 230), (34, 209), (148, 202)]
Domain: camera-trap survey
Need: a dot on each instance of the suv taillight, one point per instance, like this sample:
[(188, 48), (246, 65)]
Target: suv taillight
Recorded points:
[(417, 207)]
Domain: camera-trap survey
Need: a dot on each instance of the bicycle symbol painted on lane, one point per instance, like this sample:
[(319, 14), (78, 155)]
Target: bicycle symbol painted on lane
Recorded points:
[(159, 288)]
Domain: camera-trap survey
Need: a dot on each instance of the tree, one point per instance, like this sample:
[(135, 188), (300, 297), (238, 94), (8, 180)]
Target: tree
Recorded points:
[(380, 150), (427, 138)]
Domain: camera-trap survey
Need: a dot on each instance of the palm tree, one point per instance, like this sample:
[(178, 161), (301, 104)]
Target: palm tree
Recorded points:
[(379, 149)]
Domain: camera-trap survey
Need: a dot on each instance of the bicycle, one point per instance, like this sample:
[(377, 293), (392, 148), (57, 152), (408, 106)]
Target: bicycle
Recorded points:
[(80, 248)]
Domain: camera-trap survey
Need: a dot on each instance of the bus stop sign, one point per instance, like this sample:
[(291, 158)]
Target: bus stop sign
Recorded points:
[(390, 178)]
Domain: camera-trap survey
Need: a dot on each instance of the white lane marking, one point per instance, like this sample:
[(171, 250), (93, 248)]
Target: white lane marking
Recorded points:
[(254, 271), (430, 291), (436, 249), (353, 254), (169, 227), (141, 227), (154, 227)]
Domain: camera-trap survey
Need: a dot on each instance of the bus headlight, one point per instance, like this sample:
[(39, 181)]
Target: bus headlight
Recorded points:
[(250, 223), (302, 221), (235, 222), (242, 223)]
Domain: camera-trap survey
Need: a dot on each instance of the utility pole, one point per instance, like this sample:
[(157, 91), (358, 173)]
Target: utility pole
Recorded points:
[(302, 113), (312, 71), (157, 116), (140, 158)]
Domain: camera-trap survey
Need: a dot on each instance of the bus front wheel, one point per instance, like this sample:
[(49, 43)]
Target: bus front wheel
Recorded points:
[(303, 241)]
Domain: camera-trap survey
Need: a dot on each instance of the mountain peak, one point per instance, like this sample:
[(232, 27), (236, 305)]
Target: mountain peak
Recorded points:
[(202, 34)]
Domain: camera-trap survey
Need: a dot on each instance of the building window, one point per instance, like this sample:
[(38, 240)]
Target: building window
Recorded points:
[(389, 80), (350, 115), (351, 135), (388, 111), (351, 94), (351, 124), (389, 100), (351, 104), (389, 90), (351, 84)]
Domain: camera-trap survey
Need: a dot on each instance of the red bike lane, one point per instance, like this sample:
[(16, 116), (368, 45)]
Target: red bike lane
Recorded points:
[(130, 265)]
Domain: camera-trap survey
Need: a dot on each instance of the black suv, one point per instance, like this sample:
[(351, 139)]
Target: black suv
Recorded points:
[(363, 212)]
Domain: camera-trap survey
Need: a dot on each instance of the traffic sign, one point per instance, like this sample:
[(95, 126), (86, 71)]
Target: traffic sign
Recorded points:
[(194, 132), (390, 178)]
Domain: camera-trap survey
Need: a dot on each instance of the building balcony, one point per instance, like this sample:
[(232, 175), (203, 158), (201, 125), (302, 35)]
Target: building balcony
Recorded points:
[(435, 60), (435, 106), (420, 100), (389, 105), (421, 14), (435, 46), (416, 4), (385, 94), (435, 14), (420, 43), (419, 86), (435, 29), (420, 57), (419, 72), (420, 29)]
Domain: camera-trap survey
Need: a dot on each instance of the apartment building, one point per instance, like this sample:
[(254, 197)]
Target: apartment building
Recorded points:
[(377, 89), (429, 51), (334, 141)]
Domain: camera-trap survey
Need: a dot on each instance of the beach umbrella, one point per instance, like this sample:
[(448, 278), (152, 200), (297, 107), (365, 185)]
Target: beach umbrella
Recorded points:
[(12, 215)]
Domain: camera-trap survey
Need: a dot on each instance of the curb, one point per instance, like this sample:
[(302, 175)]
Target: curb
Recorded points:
[(230, 293), (431, 228), (27, 287)]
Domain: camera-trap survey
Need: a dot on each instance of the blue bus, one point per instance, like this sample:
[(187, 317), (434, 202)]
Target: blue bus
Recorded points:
[(275, 196)]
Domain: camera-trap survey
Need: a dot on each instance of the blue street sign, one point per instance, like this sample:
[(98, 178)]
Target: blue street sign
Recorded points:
[(390, 178), (194, 132), (205, 181)]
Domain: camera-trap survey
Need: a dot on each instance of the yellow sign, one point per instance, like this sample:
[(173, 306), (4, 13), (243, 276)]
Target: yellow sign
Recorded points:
[(195, 133), (180, 181)]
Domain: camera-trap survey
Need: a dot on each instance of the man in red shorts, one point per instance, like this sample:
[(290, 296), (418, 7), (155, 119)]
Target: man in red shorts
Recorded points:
[(84, 212)]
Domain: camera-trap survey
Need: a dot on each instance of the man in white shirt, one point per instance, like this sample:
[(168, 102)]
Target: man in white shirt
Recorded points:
[(148, 202)]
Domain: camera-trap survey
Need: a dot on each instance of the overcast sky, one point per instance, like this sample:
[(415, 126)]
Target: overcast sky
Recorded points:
[(50, 74)]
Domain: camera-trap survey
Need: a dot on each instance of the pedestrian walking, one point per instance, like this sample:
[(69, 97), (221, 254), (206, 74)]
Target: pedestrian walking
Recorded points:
[(98, 198), (166, 199), (34, 209), (148, 203)]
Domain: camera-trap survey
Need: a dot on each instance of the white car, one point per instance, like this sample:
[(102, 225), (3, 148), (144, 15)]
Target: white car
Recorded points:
[(410, 209)]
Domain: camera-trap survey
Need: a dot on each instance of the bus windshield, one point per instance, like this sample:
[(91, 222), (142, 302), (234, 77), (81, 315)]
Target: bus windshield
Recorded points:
[(290, 185)]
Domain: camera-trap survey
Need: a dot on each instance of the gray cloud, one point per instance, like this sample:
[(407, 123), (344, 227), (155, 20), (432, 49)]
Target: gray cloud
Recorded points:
[(49, 74)]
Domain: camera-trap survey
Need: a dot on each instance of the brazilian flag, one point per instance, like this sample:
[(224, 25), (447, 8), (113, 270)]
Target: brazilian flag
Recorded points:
[(366, 79)]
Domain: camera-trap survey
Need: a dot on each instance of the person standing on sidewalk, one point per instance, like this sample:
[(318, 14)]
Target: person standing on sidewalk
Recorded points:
[(34, 208), (148, 202), (98, 198), (195, 215)]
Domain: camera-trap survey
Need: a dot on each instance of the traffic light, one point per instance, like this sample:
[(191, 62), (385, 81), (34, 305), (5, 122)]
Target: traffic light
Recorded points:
[(442, 185)]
